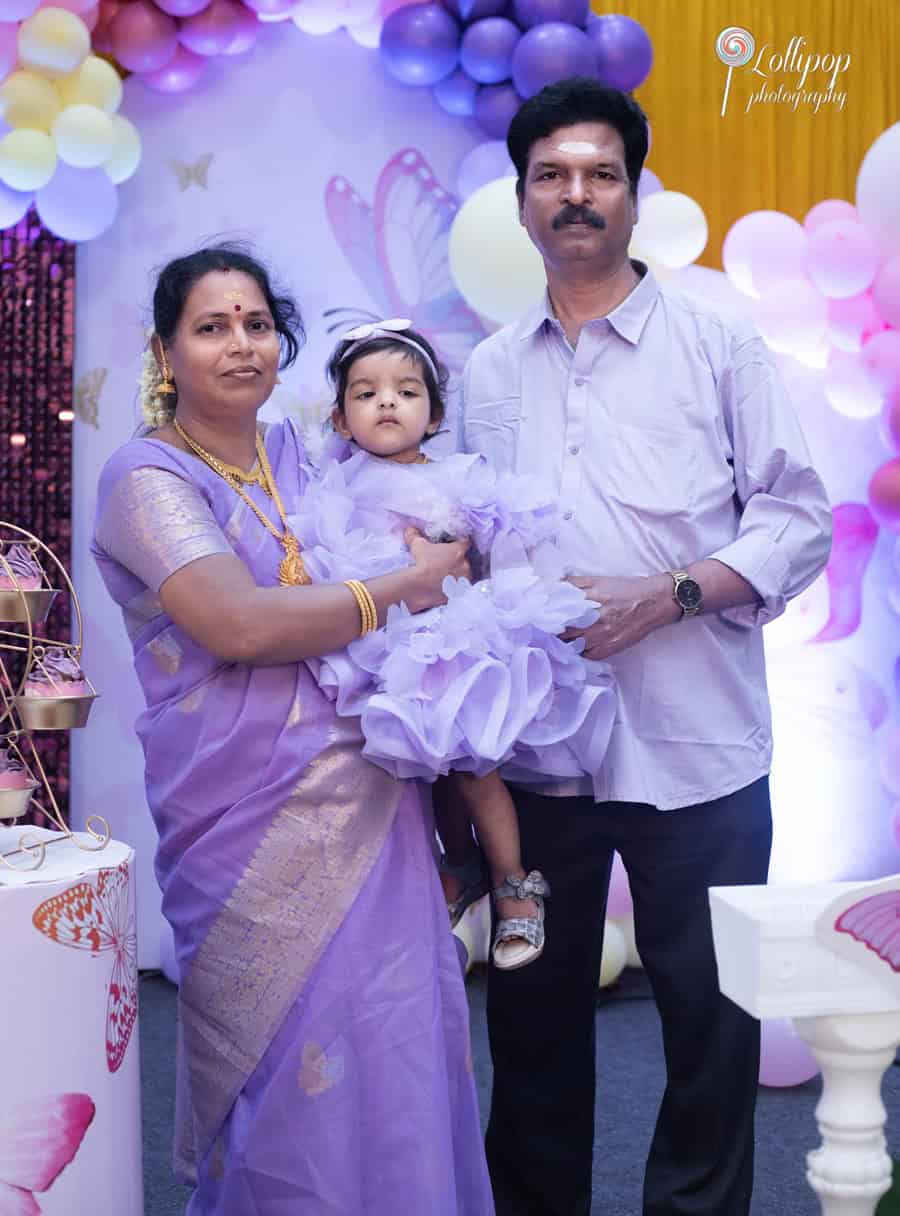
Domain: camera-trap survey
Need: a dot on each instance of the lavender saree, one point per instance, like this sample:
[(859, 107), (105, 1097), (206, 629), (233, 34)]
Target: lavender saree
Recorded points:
[(324, 1062)]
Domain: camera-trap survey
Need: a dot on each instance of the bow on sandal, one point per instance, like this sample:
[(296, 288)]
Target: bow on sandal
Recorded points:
[(519, 940)]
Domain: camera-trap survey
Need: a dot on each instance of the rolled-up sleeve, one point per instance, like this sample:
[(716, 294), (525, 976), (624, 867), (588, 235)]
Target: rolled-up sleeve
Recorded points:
[(784, 537)]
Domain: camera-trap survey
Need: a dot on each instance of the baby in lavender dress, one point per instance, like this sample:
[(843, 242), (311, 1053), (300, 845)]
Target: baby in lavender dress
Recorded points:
[(482, 685)]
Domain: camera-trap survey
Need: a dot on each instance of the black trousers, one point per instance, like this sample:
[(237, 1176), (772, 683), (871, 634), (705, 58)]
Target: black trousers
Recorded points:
[(541, 1018)]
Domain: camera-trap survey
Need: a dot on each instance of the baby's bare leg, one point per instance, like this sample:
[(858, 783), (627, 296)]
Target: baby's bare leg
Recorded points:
[(493, 813)]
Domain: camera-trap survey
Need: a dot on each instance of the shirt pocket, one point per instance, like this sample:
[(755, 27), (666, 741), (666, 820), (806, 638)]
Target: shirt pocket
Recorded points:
[(648, 471), (492, 430)]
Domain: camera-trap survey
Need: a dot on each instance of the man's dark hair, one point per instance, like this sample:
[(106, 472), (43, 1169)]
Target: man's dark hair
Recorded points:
[(578, 99)]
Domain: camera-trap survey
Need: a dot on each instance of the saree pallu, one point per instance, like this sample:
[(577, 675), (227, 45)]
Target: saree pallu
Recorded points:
[(323, 1062)]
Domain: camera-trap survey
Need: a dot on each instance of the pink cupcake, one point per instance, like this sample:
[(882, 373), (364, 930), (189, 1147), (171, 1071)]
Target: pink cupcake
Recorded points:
[(13, 774), (26, 568), (57, 675)]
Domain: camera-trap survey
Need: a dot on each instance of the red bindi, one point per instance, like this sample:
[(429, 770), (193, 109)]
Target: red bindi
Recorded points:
[(237, 308)]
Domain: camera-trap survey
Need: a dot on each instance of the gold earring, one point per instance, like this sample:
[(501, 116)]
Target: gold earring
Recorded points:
[(168, 385)]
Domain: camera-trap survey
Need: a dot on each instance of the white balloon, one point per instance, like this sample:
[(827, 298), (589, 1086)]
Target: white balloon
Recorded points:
[(367, 33), (850, 388), (497, 270), (27, 159), (615, 952), (626, 924), (317, 16), (877, 196), (84, 136), (671, 228), (126, 150), (793, 318)]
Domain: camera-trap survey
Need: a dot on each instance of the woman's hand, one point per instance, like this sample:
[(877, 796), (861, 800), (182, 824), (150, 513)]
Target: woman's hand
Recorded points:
[(432, 563)]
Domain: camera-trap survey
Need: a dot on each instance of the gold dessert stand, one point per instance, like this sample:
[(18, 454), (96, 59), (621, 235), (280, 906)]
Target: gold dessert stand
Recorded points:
[(21, 609)]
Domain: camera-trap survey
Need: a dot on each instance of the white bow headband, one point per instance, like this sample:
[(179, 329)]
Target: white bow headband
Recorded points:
[(392, 328)]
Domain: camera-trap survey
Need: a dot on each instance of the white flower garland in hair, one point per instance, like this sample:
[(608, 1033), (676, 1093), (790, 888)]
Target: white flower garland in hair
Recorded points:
[(157, 410)]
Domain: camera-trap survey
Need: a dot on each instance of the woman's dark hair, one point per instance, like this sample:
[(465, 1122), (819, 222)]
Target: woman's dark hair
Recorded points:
[(178, 277), (338, 368), (578, 99)]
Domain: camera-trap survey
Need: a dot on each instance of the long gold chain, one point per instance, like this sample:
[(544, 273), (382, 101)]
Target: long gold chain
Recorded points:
[(291, 571)]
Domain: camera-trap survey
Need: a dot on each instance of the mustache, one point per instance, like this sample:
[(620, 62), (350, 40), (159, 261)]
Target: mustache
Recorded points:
[(570, 214)]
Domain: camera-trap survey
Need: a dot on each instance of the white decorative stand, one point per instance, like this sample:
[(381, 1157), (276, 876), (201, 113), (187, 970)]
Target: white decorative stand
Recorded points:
[(773, 965), (70, 1098)]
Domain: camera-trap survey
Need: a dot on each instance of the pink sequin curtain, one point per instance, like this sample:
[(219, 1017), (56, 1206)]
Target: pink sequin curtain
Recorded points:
[(37, 328)]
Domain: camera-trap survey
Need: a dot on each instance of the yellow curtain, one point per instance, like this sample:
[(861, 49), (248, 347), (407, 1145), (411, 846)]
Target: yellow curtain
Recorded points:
[(770, 156)]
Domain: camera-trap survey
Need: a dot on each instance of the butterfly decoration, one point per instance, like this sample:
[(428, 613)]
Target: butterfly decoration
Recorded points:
[(38, 1139), (196, 173), (98, 919), (87, 395), (863, 925), (398, 250), (855, 534)]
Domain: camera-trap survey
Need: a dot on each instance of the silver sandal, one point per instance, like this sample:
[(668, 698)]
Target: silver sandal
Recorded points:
[(519, 940), (475, 884)]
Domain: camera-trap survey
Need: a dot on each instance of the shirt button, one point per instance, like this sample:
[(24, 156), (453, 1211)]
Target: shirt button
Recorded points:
[(568, 514), (579, 381), (574, 449)]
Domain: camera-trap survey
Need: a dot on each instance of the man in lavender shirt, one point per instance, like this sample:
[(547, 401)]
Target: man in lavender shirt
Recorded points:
[(693, 513)]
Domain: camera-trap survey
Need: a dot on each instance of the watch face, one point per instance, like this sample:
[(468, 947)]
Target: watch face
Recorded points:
[(689, 594)]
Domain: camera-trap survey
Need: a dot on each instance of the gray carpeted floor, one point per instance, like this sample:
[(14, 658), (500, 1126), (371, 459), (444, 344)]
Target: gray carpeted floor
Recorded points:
[(630, 1080)]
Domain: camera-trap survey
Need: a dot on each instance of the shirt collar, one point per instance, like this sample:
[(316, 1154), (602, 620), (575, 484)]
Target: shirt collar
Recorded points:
[(628, 319)]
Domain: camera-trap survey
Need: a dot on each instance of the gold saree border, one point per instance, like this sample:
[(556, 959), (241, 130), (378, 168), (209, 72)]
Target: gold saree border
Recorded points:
[(285, 909)]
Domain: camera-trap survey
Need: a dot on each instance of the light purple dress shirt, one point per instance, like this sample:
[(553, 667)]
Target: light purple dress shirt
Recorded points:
[(670, 439)]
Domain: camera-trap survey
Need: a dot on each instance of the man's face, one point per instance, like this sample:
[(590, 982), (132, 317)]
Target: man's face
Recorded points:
[(577, 203)]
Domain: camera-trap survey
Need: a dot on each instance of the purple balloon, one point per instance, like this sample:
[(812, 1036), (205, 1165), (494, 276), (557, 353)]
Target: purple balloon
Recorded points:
[(624, 53), (495, 107), (9, 46), (548, 53), (271, 8), (248, 31), (530, 13), (212, 31), (485, 163), (143, 38), (13, 205), (420, 44), (474, 10), (487, 49), (456, 94), (78, 204), (179, 74), (182, 8)]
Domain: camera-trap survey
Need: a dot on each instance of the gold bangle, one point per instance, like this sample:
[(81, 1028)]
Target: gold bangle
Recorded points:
[(368, 613)]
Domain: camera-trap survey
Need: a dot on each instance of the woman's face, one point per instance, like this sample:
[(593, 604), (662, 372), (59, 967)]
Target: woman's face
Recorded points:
[(225, 353)]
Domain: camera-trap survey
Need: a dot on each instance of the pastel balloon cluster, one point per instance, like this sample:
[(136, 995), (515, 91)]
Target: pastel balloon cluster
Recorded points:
[(63, 146), (828, 292), (481, 58)]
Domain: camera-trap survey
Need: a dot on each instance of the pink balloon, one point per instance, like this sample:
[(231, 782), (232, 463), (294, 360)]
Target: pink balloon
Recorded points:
[(886, 291), (73, 6), (842, 259), (143, 38), (246, 37), (754, 245), (8, 47), (852, 321), (884, 495), (881, 357), (618, 903), (182, 8), (784, 1058), (180, 74), (890, 418), (91, 17), (855, 534), (828, 211), (212, 31)]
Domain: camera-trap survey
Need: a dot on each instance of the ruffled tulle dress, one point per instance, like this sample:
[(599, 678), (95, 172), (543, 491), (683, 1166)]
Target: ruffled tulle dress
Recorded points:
[(484, 681)]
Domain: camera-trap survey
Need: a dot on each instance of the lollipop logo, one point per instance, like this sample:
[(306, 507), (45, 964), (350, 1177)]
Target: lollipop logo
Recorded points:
[(735, 47)]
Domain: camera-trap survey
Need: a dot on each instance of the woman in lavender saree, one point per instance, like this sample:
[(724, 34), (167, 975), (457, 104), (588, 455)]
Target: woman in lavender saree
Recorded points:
[(324, 1062)]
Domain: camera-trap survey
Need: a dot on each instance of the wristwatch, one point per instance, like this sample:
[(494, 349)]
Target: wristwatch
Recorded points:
[(686, 592)]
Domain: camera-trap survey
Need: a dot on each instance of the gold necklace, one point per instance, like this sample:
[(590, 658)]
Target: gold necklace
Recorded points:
[(291, 570)]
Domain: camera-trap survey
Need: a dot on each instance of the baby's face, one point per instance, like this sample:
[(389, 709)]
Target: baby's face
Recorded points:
[(386, 406)]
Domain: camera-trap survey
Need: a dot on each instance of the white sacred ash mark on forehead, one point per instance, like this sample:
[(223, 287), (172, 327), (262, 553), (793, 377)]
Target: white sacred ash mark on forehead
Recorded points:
[(578, 147)]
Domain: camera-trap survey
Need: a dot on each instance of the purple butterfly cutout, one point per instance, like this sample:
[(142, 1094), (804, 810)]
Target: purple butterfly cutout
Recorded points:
[(875, 922), (398, 249)]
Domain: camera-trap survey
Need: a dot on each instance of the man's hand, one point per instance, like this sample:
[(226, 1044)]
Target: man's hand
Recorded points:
[(630, 608)]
